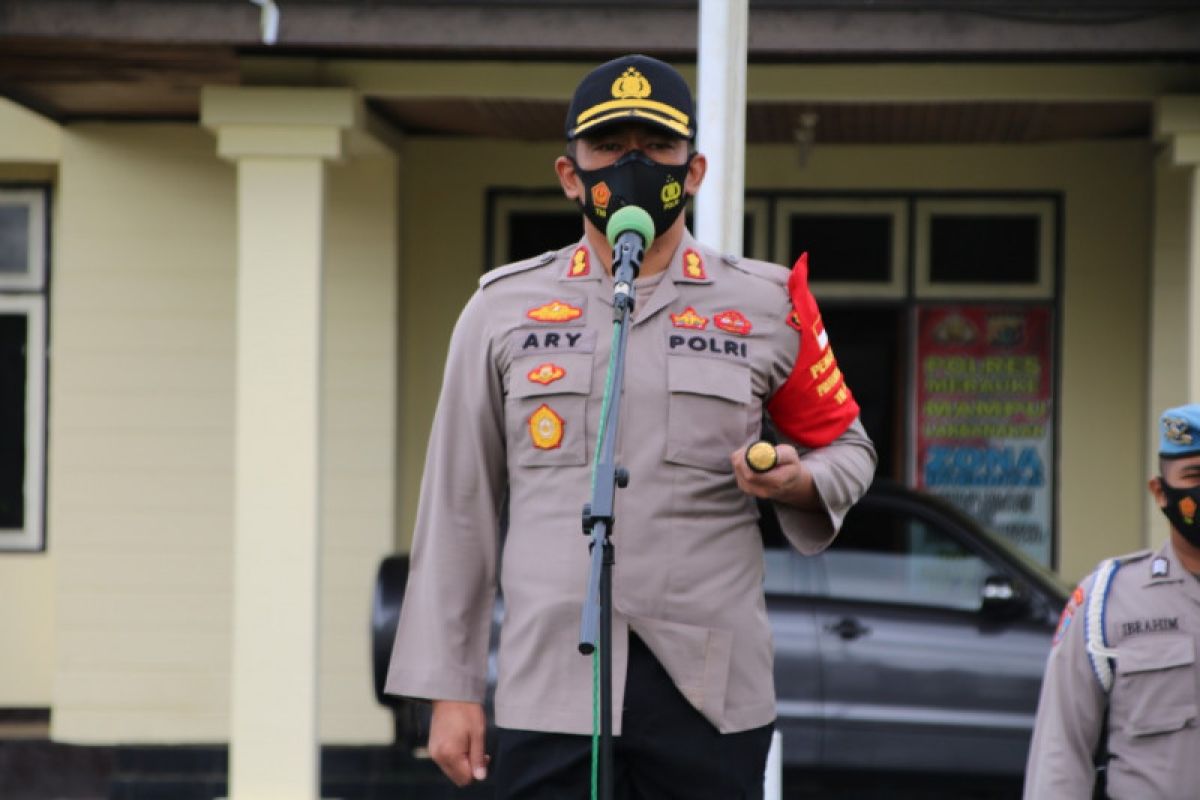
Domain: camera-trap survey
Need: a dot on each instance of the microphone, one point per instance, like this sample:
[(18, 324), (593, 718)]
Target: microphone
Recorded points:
[(630, 231)]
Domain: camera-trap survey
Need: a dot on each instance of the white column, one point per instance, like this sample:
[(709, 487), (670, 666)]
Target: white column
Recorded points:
[(721, 71), (280, 140)]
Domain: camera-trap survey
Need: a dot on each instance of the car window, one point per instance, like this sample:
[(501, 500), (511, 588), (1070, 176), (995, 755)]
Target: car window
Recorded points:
[(785, 571), (889, 555)]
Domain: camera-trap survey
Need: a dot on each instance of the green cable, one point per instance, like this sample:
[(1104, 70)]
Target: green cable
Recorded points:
[(604, 404)]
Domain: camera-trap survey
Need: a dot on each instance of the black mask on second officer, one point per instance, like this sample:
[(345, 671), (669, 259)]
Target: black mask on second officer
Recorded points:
[(635, 179), (1182, 510)]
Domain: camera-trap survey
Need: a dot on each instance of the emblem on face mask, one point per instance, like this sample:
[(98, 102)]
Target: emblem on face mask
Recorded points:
[(693, 266), (601, 194), (631, 85), (689, 319), (732, 321), (1187, 507), (545, 428), (671, 192), (580, 266), (555, 311), (546, 374)]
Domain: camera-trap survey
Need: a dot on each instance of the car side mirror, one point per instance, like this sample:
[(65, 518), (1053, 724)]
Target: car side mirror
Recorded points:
[(1001, 599)]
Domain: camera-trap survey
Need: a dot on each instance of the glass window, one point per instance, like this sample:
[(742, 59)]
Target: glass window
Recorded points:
[(22, 239), (14, 338), (976, 249), (23, 236), (892, 557), (984, 247), (854, 249), (857, 247), (14, 238)]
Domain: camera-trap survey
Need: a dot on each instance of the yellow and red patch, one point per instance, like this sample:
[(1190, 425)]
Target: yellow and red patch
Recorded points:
[(733, 321), (581, 265), (689, 319), (555, 311), (545, 428), (601, 194), (546, 374), (693, 265)]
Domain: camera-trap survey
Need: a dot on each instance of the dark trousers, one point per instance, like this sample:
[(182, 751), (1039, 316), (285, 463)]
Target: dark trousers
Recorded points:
[(666, 749)]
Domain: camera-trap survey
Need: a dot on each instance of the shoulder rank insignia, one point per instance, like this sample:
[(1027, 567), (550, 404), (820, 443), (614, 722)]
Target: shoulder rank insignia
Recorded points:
[(693, 265), (545, 428), (546, 374), (580, 265), (733, 321), (554, 311), (1160, 568), (689, 319)]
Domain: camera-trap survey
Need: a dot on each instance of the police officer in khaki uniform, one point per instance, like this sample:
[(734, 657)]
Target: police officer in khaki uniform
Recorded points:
[(1126, 649), (714, 341)]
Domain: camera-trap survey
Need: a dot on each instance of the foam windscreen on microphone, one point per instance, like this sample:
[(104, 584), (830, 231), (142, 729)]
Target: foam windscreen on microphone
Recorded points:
[(629, 219)]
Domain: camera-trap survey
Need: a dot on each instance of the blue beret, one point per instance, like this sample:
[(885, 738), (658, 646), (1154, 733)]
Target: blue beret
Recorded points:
[(1180, 428)]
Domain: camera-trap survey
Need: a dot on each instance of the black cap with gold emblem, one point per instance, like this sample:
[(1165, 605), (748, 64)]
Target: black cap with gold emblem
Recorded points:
[(632, 88)]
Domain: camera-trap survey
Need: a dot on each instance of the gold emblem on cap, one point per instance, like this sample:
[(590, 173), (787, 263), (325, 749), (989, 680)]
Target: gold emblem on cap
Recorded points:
[(631, 85)]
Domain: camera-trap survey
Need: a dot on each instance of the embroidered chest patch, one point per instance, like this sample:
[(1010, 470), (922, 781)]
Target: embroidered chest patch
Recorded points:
[(546, 374), (555, 311), (545, 428), (733, 321)]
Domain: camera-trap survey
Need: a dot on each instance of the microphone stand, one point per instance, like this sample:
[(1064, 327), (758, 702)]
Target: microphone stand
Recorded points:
[(598, 516)]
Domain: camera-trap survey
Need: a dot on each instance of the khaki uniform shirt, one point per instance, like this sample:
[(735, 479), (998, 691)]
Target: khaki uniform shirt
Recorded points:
[(519, 410), (1151, 622)]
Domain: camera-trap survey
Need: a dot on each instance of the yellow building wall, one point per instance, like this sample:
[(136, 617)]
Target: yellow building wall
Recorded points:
[(141, 431), (358, 437), (1106, 247), (141, 435)]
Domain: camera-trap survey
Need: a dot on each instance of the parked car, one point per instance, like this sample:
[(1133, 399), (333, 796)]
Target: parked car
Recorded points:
[(916, 642)]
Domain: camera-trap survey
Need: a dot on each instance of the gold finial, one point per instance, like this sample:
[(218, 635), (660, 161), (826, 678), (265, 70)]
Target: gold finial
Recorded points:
[(761, 456)]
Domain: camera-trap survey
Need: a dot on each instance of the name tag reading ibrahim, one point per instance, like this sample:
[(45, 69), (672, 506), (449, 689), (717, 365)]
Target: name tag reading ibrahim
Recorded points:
[(707, 344)]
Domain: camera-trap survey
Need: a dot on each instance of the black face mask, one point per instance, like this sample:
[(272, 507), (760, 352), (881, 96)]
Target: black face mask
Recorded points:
[(1183, 510), (635, 180)]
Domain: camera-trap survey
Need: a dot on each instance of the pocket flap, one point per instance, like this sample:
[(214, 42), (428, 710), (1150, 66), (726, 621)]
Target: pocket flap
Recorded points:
[(709, 376), (1149, 653), (1175, 719), (564, 373)]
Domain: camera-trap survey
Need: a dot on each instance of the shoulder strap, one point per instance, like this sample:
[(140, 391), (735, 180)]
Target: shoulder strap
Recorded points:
[(1101, 656)]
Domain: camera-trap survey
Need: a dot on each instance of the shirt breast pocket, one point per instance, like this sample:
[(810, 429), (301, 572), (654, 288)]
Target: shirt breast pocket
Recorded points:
[(547, 409), (708, 415), (1156, 684)]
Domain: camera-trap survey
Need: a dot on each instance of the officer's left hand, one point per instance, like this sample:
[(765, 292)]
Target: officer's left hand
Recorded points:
[(789, 481)]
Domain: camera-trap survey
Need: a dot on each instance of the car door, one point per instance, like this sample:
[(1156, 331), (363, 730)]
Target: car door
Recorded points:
[(790, 584), (914, 675)]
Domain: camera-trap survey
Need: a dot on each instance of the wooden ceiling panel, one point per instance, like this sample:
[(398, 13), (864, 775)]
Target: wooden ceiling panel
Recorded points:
[(113, 81)]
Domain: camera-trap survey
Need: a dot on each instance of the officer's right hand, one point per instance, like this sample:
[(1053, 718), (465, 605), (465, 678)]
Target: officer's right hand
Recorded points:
[(456, 740)]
